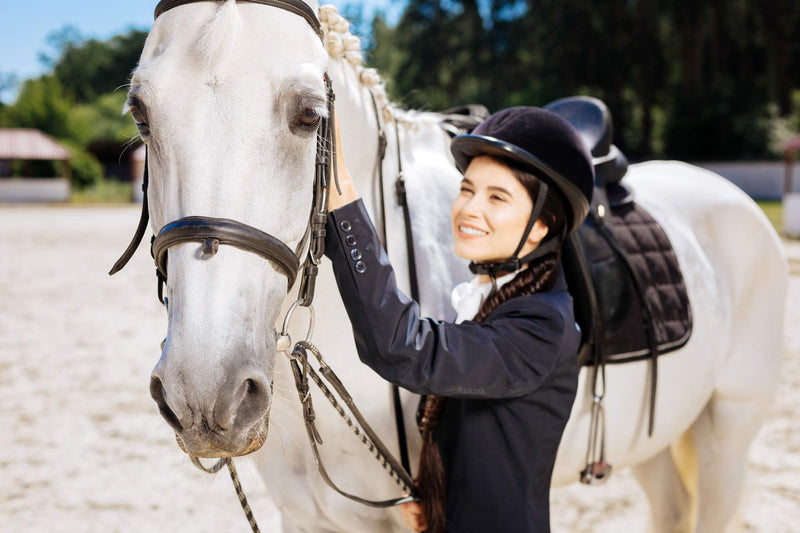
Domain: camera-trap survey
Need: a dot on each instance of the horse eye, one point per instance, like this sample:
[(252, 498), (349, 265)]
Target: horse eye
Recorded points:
[(309, 118), (138, 116)]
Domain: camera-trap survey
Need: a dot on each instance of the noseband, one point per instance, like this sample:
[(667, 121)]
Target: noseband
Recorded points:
[(212, 232)]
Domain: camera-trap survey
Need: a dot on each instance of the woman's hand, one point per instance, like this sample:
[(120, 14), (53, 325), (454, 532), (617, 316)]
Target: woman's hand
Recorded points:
[(349, 193), (414, 516)]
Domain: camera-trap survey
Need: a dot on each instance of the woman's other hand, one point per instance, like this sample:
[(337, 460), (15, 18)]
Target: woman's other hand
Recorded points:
[(349, 193), (414, 516)]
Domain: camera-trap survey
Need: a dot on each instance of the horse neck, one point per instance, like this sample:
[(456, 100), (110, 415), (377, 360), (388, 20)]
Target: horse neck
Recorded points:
[(430, 175), (374, 177), (360, 131)]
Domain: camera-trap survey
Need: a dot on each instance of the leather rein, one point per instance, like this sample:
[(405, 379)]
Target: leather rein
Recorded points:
[(212, 232)]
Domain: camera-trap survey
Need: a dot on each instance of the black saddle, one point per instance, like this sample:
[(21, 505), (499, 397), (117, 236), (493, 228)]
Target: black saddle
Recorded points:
[(630, 298), (629, 294)]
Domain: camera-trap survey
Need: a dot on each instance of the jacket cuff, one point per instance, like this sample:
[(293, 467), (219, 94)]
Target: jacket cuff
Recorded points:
[(350, 235)]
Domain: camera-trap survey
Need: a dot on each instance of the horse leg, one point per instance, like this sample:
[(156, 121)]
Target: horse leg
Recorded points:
[(723, 434), (664, 480), (746, 381), (695, 485)]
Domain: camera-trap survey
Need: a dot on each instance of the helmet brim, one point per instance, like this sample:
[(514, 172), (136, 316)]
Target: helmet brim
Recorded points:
[(466, 147)]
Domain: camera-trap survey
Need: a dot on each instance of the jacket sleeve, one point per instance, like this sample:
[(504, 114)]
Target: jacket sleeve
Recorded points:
[(509, 355)]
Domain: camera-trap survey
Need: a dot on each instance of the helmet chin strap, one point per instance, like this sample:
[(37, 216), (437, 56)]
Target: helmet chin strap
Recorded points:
[(514, 263)]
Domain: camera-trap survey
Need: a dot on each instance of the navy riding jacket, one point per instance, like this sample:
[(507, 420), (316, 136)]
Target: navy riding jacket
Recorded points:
[(510, 381)]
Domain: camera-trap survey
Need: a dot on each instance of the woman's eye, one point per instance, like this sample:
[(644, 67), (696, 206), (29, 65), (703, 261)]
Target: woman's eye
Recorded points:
[(309, 118)]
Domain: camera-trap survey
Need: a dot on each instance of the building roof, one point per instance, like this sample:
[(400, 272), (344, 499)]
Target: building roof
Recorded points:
[(26, 144)]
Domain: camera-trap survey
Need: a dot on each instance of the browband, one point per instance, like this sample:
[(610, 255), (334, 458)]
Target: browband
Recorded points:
[(298, 7)]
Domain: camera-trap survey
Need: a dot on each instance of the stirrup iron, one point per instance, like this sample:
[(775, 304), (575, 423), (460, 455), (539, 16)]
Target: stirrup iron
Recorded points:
[(597, 470)]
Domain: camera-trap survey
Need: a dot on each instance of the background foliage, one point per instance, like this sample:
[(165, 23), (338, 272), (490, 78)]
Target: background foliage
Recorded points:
[(79, 100), (685, 79)]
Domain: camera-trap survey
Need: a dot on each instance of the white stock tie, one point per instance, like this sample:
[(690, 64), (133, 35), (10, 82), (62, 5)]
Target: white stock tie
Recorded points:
[(468, 296)]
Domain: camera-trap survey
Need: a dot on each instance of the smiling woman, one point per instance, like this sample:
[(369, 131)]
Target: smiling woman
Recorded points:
[(491, 213), (501, 381)]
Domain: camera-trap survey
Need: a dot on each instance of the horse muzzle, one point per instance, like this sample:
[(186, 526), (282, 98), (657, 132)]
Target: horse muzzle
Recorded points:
[(231, 421)]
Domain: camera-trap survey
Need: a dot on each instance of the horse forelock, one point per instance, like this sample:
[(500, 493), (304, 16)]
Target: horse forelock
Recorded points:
[(218, 39)]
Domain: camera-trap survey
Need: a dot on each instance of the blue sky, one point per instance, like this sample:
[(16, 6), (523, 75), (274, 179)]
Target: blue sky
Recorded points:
[(25, 24)]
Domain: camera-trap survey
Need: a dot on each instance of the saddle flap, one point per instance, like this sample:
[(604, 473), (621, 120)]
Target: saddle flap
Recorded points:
[(608, 307)]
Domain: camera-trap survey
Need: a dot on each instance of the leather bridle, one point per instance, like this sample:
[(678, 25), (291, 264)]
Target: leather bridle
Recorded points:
[(212, 232)]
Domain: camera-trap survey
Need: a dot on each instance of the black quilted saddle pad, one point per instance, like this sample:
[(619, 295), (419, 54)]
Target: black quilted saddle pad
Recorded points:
[(617, 330)]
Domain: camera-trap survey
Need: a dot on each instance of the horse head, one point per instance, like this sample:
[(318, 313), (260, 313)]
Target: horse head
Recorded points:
[(228, 98)]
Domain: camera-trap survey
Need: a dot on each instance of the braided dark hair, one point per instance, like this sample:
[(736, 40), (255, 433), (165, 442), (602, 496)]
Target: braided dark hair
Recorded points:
[(539, 276)]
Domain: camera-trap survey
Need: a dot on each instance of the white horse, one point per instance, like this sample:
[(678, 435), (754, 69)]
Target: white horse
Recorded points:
[(220, 92)]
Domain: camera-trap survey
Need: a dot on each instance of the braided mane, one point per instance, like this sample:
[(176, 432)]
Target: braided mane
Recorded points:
[(340, 43)]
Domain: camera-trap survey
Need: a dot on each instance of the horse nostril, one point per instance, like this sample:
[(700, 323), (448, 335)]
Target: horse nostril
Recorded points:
[(253, 395), (255, 402), (157, 393)]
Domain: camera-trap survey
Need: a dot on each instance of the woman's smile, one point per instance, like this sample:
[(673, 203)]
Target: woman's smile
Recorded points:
[(491, 212), (471, 231)]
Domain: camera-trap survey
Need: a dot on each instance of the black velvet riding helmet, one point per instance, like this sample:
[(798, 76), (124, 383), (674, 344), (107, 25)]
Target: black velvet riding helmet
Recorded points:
[(544, 144)]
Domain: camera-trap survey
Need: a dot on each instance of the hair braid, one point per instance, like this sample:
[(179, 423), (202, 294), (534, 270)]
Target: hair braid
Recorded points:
[(431, 479), (538, 277)]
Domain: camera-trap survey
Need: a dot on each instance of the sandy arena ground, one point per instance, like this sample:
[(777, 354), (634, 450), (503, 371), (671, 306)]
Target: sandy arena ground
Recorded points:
[(83, 449)]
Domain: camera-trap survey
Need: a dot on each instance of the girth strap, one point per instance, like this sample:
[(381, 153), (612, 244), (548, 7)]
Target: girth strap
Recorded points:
[(242, 236)]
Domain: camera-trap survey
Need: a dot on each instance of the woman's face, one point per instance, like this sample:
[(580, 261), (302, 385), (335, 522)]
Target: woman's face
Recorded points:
[(491, 212)]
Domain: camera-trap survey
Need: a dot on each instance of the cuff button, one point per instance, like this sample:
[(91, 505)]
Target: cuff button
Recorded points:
[(361, 267), (345, 225), (351, 240)]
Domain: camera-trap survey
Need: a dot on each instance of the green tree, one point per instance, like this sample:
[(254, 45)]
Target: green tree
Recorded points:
[(89, 68), (41, 104), (433, 54), (682, 78), (102, 119), (8, 82), (85, 169)]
